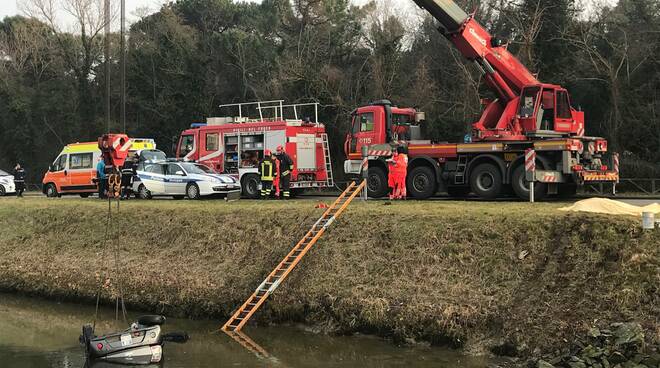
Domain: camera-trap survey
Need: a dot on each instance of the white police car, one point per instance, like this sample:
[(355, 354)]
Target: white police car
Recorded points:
[(7, 185), (181, 179)]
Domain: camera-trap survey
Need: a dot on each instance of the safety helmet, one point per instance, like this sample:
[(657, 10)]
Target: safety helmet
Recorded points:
[(280, 148), (267, 152)]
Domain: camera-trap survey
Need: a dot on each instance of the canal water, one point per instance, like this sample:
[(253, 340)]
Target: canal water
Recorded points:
[(44, 334)]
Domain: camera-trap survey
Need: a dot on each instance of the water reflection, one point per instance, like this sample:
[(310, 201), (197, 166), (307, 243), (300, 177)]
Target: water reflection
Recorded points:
[(37, 333)]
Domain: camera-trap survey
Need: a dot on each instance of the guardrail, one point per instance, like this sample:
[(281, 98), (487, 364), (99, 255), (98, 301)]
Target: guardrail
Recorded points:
[(648, 186)]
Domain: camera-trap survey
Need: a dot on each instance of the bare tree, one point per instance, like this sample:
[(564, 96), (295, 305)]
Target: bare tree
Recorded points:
[(26, 49), (79, 42), (527, 25), (605, 44)]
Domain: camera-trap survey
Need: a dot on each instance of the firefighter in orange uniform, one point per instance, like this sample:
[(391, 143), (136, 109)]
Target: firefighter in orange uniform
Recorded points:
[(276, 179), (401, 169), (392, 174)]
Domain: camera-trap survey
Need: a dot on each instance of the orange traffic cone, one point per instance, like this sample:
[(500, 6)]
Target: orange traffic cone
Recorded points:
[(321, 205)]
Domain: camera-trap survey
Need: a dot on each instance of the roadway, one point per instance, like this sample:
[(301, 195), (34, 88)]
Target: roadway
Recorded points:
[(636, 201)]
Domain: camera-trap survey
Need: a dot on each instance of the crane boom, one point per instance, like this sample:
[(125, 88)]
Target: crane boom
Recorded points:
[(509, 79), (503, 71)]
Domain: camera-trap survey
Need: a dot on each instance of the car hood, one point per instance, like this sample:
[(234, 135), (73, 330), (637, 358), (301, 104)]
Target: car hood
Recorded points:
[(225, 179)]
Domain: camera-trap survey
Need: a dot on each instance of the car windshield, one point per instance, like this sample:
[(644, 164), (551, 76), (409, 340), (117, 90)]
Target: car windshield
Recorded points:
[(196, 168), (153, 156), (3, 173)]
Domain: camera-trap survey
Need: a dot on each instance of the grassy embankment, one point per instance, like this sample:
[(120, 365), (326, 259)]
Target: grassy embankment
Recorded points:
[(444, 272)]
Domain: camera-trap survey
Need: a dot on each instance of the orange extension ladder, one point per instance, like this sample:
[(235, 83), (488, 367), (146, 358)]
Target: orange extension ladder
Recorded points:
[(251, 346), (275, 278)]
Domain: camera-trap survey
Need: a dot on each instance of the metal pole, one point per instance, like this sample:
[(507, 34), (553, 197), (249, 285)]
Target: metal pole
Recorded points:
[(123, 65), (106, 56), (365, 170), (530, 171)]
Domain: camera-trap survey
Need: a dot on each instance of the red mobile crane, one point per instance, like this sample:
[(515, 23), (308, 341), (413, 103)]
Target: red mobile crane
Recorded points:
[(526, 114)]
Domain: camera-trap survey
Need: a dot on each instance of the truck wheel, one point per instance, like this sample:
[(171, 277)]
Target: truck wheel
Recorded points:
[(376, 182), (521, 185), (250, 186), (458, 192), (486, 181), (143, 192), (421, 182), (51, 191), (192, 190)]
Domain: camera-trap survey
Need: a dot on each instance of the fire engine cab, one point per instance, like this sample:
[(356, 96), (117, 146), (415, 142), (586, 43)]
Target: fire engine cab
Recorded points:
[(235, 144)]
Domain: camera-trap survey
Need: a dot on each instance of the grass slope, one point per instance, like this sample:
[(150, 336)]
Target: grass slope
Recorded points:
[(444, 272)]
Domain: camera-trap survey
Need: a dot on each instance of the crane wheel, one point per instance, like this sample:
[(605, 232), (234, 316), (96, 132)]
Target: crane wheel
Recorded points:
[(521, 185), (486, 181), (421, 183)]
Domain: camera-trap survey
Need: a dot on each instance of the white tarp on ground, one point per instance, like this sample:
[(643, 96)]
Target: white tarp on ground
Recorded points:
[(609, 206)]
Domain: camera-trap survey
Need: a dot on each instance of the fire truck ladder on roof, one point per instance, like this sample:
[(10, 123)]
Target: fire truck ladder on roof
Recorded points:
[(328, 164), (275, 278)]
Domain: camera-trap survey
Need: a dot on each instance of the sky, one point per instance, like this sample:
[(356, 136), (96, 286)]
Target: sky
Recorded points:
[(11, 7), (406, 8)]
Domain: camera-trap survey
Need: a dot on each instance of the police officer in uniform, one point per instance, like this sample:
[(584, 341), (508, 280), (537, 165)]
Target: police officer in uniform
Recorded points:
[(267, 171), (286, 166), (19, 180), (127, 171)]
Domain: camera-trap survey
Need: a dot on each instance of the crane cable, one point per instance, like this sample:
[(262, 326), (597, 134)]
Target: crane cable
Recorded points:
[(120, 296)]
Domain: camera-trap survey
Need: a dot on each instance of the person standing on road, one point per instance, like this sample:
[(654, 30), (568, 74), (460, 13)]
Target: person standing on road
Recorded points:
[(101, 177), (276, 179), (286, 166), (392, 174), (401, 168), (19, 180), (127, 171), (266, 170)]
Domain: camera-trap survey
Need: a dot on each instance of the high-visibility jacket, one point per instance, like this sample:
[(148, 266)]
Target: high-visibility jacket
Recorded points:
[(391, 168), (266, 169), (401, 164)]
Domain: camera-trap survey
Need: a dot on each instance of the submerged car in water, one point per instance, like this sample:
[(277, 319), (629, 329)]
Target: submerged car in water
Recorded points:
[(7, 185), (183, 179)]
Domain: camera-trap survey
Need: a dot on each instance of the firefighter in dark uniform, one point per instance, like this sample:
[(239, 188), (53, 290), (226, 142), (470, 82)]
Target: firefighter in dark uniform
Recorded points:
[(127, 172), (19, 180), (267, 171), (286, 166)]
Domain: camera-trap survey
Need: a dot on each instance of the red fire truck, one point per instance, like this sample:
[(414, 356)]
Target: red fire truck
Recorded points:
[(235, 144), (526, 114)]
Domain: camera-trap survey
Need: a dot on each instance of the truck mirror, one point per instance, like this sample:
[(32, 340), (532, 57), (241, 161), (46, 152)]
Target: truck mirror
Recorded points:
[(420, 116)]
